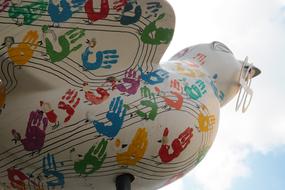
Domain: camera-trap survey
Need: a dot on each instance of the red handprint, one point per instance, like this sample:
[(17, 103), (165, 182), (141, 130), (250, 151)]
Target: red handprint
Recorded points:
[(119, 4), (69, 102), (92, 98), (178, 144)]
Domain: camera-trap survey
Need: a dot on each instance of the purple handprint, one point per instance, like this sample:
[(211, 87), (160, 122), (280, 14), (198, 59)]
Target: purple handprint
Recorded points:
[(131, 82), (115, 115), (35, 135)]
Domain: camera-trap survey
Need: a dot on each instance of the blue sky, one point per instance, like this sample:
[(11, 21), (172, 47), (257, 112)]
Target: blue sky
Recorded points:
[(249, 150)]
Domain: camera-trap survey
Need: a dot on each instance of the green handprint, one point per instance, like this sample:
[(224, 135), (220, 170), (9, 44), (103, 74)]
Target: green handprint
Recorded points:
[(65, 41), (148, 102), (93, 159)]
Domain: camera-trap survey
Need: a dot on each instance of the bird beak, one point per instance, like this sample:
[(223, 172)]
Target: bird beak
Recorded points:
[(255, 71)]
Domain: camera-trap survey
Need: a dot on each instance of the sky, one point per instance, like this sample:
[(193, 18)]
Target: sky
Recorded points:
[(249, 150)]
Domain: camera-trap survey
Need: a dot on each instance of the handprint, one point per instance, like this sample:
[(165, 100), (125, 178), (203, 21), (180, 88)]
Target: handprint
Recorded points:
[(4, 5), (189, 70), (21, 54), (196, 91), (135, 150), (101, 14), (65, 41), (94, 99), (69, 102), (104, 59), (93, 159), (154, 77), (119, 4), (148, 102), (131, 13), (178, 145), (153, 8), (200, 58), (176, 104), (28, 12), (35, 134), (131, 82), (206, 121), (115, 115), (49, 112), (50, 170), (17, 178), (154, 35), (59, 11)]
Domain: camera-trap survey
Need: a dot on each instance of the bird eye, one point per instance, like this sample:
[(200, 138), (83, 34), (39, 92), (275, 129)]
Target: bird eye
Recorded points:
[(218, 46)]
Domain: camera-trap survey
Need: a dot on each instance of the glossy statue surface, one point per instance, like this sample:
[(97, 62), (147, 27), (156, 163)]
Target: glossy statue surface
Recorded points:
[(84, 99)]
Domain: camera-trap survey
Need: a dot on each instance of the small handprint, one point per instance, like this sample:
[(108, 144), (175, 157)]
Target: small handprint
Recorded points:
[(154, 77), (131, 82), (93, 159), (21, 54), (50, 171), (35, 132), (131, 13), (149, 101), (115, 115), (93, 15), (152, 34), (59, 12), (65, 42), (4, 5), (153, 8), (104, 59), (177, 91), (17, 178), (119, 4), (206, 121), (95, 99), (196, 91), (135, 150), (69, 102), (178, 144)]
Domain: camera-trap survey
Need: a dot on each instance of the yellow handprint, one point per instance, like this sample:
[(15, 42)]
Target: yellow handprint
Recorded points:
[(135, 150), (21, 54), (205, 122)]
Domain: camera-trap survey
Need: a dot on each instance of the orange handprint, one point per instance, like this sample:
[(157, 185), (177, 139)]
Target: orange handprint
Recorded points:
[(21, 54), (178, 88)]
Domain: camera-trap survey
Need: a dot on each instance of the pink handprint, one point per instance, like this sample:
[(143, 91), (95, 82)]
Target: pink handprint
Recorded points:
[(131, 82), (69, 102)]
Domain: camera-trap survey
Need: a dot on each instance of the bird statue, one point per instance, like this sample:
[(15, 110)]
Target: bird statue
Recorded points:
[(85, 103)]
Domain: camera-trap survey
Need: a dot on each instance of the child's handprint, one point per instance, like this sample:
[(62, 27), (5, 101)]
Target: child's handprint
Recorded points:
[(154, 77), (50, 170), (93, 159), (115, 115), (177, 87), (21, 54), (69, 102), (66, 42), (135, 150), (131, 82), (148, 102)]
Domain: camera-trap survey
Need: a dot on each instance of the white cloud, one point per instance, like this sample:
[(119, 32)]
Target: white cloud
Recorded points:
[(255, 28)]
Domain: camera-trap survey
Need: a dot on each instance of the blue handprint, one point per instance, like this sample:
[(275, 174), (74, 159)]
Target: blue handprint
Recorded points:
[(50, 170), (115, 115), (104, 59), (154, 77)]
